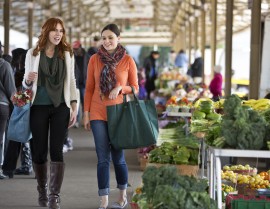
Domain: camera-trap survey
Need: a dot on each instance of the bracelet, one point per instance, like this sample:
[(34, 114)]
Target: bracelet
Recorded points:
[(28, 84)]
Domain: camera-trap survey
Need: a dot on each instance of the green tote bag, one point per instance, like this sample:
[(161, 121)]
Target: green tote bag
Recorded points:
[(132, 124)]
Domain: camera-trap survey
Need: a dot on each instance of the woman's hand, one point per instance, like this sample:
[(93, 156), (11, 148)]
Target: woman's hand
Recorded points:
[(73, 118), (86, 121), (31, 77), (115, 92)]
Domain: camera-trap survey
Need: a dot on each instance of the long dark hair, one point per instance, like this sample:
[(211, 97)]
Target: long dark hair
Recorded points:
[(112, 27)]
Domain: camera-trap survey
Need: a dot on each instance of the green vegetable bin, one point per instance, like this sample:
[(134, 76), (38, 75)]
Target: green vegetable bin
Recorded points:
[(250, 204)]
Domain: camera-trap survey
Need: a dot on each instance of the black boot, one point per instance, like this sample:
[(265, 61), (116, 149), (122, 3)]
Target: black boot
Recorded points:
[(26, 161), (41, 175), (56, 179)]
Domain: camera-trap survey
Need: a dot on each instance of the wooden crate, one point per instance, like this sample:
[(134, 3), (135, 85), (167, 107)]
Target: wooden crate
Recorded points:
[(143, 163), (189, 170)]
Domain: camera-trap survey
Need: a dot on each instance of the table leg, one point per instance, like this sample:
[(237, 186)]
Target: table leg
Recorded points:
[(218, 177), (211, 179)]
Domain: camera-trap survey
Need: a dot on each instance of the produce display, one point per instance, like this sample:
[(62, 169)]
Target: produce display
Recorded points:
[(164, 188), (258, 105), (240, 169), (230, 123), (175, 153)]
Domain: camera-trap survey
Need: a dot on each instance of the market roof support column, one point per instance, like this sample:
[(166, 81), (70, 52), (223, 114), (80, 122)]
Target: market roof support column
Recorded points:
[(228, 47), (189, 41), (196, 46), (255, 50), (30, 23), (203, 38), (214, 34), (6, 25), (70, 20)]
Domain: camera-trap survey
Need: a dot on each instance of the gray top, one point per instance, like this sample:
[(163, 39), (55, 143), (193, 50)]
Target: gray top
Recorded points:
[(7, 84)]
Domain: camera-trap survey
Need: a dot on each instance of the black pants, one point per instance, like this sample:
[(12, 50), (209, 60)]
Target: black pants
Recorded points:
[(4, 115), (11, 156), (49, 126)]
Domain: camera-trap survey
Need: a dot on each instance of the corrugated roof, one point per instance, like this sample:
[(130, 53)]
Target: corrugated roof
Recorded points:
[(141, 21)]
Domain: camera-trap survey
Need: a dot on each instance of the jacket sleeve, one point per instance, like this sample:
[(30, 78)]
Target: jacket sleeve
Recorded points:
[(28, 68), (90, 84), (132, 78), (73, 93), (8, 81)]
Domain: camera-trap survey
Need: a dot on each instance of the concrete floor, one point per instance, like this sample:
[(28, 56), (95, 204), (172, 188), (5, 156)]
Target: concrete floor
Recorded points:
[(79, 190)]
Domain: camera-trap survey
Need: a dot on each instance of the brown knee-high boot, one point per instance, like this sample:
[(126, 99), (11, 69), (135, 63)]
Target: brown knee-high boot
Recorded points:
[(56, 179), (41, 175)]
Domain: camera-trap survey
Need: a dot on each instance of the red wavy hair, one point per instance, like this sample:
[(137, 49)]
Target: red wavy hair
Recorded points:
[(48, 26)]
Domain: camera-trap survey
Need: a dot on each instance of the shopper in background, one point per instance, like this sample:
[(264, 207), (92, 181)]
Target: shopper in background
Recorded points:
[(171, 59), (151, 72), (197, 68), (15, 148), (81, 72), (49, 72), (111, 72), (7, 57), (181, 60), (7, 89), (215, 86), (95, 44)]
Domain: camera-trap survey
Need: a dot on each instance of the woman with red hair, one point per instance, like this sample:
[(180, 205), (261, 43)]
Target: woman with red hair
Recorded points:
[(49, 72)]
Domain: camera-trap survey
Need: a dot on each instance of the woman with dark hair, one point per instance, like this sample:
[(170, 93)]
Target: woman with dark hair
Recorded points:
[(49, 71), (111, 73), (15, 148)]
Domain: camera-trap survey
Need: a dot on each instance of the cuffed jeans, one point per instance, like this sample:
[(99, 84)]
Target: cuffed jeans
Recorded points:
[(105, 153)]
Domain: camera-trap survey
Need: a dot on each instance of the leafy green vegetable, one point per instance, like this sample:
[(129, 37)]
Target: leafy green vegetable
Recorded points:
[(242, 128), (164, 189), (175, 153), (181, 156)]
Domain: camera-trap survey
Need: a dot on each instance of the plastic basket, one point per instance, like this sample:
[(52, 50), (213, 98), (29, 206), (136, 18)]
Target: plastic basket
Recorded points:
[(250, 204), (247, 201)]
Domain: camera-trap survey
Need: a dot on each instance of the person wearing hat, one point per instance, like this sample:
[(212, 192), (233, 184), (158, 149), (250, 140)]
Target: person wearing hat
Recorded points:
[(215, 86)]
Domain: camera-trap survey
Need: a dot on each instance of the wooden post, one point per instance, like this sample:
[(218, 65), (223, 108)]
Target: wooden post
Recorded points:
[(6, 25), (255, 50), (213, 34), (228, 47), (30, 23)]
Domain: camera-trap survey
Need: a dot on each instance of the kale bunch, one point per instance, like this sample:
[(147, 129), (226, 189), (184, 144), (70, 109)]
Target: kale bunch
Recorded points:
[(242, 128), (163, 188)]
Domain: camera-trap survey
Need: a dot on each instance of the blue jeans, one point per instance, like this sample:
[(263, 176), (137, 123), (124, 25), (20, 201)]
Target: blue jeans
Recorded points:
[(104, 154)]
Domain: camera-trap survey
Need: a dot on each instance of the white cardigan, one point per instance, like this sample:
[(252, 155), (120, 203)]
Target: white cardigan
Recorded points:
[(32, 64)]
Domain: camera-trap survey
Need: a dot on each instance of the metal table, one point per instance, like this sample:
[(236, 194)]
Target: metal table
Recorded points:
[(184, 115), (215, 166)]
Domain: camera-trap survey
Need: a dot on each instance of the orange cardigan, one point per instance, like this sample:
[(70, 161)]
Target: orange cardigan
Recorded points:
[(126, 76)]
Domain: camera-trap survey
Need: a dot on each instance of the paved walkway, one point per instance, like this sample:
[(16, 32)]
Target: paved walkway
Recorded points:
[(79, 190)]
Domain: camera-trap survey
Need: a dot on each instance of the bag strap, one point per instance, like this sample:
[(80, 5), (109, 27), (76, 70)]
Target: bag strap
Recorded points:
[(133, 92)]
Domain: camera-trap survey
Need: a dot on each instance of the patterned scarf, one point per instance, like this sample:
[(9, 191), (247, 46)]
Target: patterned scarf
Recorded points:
[(108, 77)]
